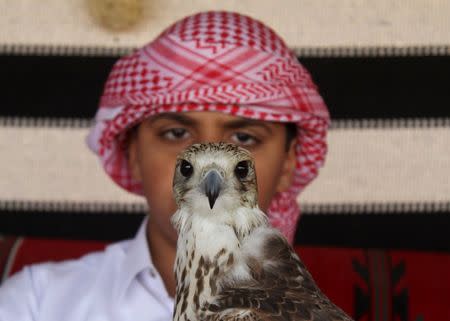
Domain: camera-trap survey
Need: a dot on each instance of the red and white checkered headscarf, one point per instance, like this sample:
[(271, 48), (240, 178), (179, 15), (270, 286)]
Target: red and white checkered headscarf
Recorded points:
[(215, 61)]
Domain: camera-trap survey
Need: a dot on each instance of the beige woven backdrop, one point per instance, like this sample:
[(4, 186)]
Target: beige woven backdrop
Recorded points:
[(303, 23), (390, 165), (407, 164)]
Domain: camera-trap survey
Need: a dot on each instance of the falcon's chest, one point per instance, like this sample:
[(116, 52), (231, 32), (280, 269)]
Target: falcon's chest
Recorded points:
[(206, 255)]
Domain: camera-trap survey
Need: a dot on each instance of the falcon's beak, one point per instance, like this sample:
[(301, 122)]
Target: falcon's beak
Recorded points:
[(212, 184)]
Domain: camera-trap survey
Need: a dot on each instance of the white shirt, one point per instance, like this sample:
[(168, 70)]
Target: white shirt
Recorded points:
[(119, 283)]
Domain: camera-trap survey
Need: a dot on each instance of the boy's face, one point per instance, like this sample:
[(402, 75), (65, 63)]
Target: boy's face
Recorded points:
[(154, 148)]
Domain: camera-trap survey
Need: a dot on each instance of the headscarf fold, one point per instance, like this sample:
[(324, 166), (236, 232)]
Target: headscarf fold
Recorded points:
[(222, 62)]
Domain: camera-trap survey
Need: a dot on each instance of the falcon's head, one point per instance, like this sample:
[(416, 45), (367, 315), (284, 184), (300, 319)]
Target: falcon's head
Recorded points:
[(215, 177)]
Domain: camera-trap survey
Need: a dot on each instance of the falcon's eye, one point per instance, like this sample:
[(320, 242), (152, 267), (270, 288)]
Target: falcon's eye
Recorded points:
[(241, 169), (186, 168)]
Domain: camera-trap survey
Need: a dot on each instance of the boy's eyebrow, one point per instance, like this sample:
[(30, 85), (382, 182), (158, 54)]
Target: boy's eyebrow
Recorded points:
[(242, 123), (230, 124), (182, 119)]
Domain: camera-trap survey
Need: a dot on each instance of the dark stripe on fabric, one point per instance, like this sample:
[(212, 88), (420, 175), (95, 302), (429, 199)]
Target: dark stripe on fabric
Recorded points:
[(374, 280), (390, 87), (353, 87), (52, 86), (337, 124), (350, 51), (381, 295), (70, 225), (414, 231)]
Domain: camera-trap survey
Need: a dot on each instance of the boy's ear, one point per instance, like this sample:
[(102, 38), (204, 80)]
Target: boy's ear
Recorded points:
[(287, 169), (133, 158)]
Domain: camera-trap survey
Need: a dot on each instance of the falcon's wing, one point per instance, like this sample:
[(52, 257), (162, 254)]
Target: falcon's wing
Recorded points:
[(281, 289)]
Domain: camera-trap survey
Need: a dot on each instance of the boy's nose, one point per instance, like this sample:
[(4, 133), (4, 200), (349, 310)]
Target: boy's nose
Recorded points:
[(210, 133)]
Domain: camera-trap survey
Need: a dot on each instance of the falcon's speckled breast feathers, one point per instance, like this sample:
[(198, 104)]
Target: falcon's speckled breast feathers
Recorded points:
[(230, 264)]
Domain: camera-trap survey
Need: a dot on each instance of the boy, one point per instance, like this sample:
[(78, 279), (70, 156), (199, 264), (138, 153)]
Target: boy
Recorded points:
[(213, 76)]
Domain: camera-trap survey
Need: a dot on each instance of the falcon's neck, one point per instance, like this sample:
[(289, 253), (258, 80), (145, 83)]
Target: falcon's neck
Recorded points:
[(208, 250)]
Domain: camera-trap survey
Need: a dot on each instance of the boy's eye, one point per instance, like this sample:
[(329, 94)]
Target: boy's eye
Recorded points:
[(243, 138), (176, 133)]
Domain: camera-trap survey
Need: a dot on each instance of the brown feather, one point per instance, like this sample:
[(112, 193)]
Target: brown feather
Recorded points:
[(283, 291)]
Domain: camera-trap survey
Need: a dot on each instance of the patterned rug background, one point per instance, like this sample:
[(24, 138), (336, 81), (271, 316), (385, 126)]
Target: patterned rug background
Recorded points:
[(379, 213)]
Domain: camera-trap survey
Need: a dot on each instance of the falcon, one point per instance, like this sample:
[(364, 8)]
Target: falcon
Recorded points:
[(230, 264)]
